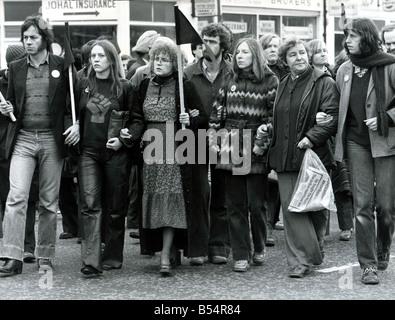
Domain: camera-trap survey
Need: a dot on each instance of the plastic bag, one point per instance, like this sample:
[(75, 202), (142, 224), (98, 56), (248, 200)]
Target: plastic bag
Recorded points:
[(313, 190)]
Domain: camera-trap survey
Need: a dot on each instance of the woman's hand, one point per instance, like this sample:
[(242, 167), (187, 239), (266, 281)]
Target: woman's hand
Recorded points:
[(184, 118), (305, 143), (371, 123), (322, 118), (124, 134), (114, 144), (6, 108), (73, 135), (257, 150)]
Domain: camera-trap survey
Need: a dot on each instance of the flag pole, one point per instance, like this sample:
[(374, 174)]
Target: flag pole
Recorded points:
[(70, 69), (180, 81)]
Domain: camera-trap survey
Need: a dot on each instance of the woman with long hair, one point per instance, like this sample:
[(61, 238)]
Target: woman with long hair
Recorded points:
[(245, 102), (105, 107)]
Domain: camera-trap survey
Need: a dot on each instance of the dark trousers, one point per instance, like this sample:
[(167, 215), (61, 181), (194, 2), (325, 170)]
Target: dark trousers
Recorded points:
[(247, 214), (219, 238), (69, 204), (133, 216), (104, 177)]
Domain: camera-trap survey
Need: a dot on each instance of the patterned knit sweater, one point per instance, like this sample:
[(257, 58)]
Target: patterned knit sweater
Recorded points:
[(243, 103)]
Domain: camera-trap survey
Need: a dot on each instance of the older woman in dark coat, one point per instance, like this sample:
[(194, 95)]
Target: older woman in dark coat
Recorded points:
[(300, 96), (168, 218)]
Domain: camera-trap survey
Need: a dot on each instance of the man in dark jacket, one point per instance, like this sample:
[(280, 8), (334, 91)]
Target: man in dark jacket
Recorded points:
[(37, 94), (207, 76)]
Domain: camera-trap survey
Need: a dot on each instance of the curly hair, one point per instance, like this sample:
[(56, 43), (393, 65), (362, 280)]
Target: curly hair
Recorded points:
[(223, 32), (43, 28), (370, 36), (167, 47)]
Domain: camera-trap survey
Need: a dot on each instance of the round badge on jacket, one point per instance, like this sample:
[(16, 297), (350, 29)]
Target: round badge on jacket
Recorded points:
[(55, 73)]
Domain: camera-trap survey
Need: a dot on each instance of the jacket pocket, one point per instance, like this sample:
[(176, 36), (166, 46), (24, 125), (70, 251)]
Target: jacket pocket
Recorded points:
[(117, 122)]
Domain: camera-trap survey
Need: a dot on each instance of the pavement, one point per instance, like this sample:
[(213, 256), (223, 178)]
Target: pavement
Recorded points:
[(338, 278)]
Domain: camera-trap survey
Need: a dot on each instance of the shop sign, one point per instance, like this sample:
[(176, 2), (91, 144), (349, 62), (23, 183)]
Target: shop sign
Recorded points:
[(266, 26), (206, 8), (236, 27), (311, 5), (306, 33), (68, 10)]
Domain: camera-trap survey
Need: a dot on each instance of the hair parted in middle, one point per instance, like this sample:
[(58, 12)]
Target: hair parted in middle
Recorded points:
[(43, 28), (289, 43), (259, 62), (313, 47), (115, 68), (370, 36)]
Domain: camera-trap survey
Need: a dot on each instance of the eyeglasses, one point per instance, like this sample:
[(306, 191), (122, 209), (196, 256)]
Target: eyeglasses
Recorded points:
[(161, 60)]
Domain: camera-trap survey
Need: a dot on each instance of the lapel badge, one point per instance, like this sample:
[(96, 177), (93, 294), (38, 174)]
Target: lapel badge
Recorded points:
[(233, 88), (55, 73), (346, 78)]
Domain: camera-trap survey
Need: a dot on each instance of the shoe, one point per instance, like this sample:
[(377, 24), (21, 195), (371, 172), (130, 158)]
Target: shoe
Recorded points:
[(270, 241), (135, 234), (279, 225), (44, 264), (90, 271), (67, 235), (79, 240), (241, 266), (298, 271), (11, 267), (345, 235), (369, 276), (28, 257), (196, 261), (218, 260), (258, 258), (165, 270), (175, 259), (383, 261), (109, 267)]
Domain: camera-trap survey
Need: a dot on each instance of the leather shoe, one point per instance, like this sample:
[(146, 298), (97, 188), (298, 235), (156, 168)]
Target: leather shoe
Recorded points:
[(90, 271), (165, 270), (298, 271), (218, 260), (28, 257), (67, 235), (44, 264), (11, 268), (196, 261), (109, 267), (258, 258), (135, 234)]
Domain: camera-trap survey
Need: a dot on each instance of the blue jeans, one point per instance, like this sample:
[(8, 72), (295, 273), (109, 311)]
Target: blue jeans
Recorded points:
[(365, 172), (247, 214), (104, 185), (32, 147)]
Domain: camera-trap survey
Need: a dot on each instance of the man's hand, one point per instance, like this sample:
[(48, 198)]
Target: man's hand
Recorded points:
[(114, 144), (73, 135), (6, 108), (305, 143), (371, 123)]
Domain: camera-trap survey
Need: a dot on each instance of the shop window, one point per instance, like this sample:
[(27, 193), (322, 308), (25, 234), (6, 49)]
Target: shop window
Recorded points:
[(269, 24), (162, 11), (301, 27), (19, 10), (241, 25)]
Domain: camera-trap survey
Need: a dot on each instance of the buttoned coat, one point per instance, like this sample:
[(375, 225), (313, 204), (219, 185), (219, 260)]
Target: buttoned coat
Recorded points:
[(58, 93), (380, 146)]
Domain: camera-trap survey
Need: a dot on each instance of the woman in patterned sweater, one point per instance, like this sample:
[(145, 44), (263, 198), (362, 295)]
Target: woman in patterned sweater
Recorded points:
[(244, 110)]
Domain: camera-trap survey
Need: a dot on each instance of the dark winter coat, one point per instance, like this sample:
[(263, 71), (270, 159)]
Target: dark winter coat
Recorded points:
[(320, 95)]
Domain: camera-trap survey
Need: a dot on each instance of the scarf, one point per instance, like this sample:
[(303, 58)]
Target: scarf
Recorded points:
[(377, 61)]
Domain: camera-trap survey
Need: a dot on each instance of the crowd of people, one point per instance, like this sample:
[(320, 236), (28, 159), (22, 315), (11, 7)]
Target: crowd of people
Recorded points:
[(128, 156)]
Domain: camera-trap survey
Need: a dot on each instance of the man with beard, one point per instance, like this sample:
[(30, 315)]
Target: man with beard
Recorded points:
[(388, 37), (207, 75), (37, 94)]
